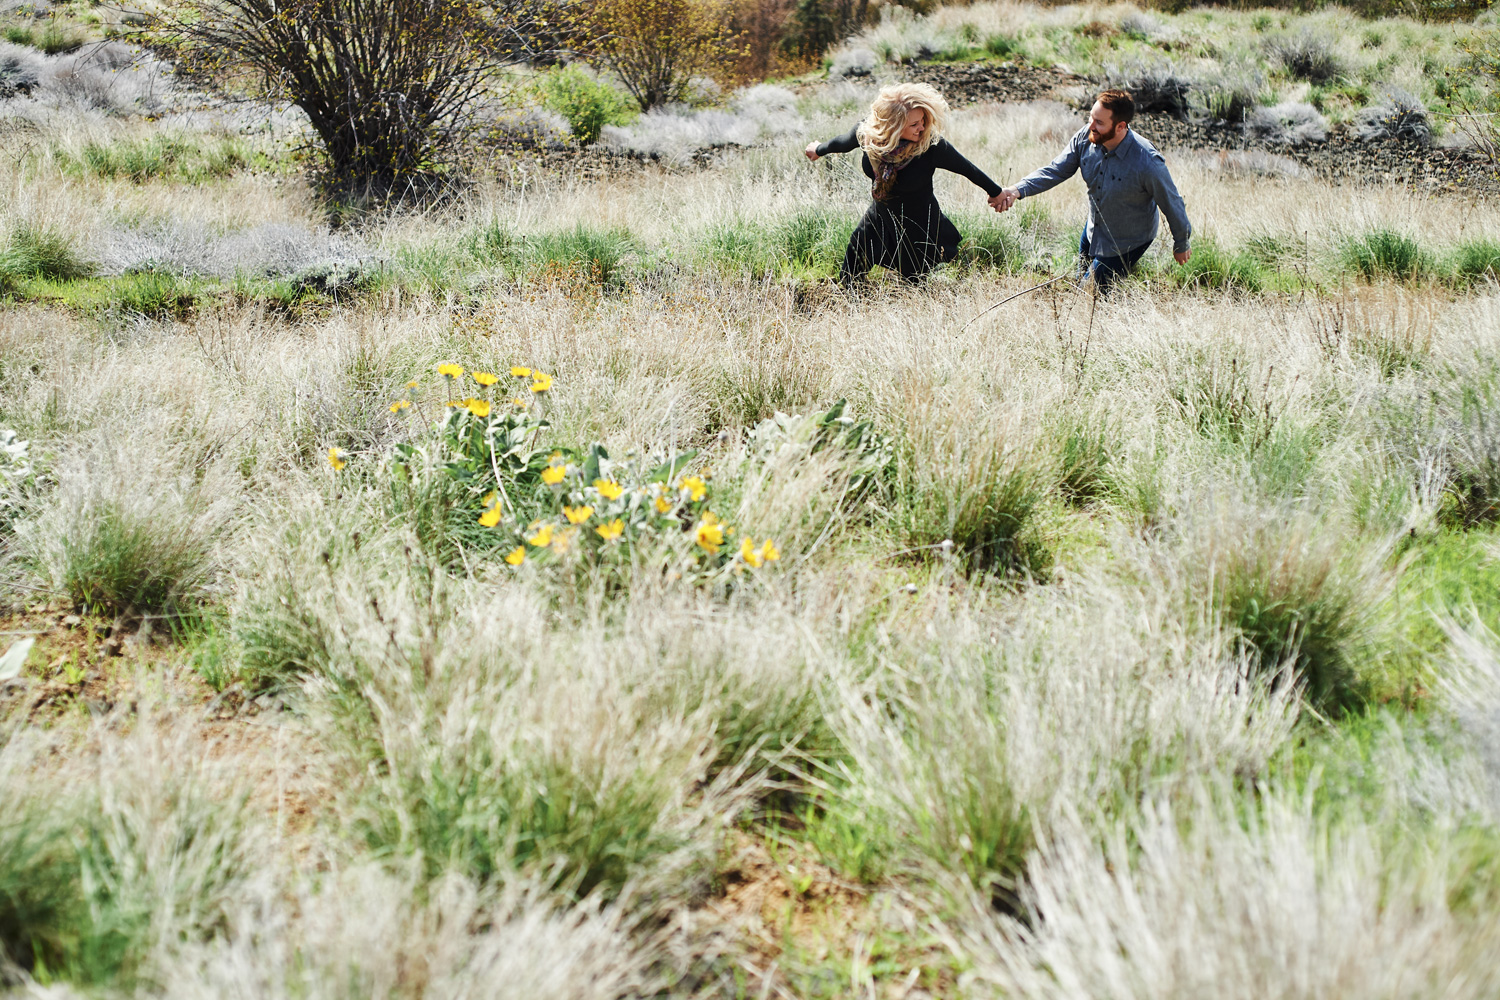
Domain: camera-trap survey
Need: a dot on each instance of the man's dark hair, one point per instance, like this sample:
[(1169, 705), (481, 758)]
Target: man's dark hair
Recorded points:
[(1119, 104)]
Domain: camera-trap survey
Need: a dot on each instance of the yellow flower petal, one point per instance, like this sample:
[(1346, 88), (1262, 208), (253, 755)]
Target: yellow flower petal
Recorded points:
[(412, 384), (769, 552), (577, 515), (478, 407), (490, 518), (694, 487), (491, 498), (541, 383), (710, 534), (747, 552), (608, 488), (517, 555), (663, 505), (400, 405), (611, 531), (564, 540), (485, 378), (543, 536), (451, 371), (553, 474), (521, 372), (336, 458)]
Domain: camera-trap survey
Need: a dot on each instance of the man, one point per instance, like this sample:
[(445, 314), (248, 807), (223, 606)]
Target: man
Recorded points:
[(1128, 185)]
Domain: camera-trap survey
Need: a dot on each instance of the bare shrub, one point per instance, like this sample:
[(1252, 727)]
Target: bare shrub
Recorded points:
[(1155, 86), (1249, 163), (1228, 93), (269, 250), (1305, 56), (1400, 115), (658, 47), (853, 62), (1287, 124), (391, 89), (676, 133)]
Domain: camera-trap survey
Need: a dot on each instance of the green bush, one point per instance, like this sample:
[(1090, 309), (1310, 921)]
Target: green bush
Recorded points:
[(152, 294), (37, 252), (178, 157), (54, 39), (587, 103), (1385, 253), (740, 247), (989, 245), (118, 562)]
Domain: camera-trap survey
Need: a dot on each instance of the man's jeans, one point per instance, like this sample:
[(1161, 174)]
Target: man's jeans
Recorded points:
[(1106, 269)]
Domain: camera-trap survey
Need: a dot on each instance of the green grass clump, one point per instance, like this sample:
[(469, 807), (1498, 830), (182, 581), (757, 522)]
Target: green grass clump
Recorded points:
[(54, 39), (595, 256), (174, 157), (1477, 260), (812, 243), (990, 246), (118, 562), (967, 490), (1213, 268), (1472, 496), (1085, 451), (739, 247), (39, 252), (1384, 253), (587, 103)]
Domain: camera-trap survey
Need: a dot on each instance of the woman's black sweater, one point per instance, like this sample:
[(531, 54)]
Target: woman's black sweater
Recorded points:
[(914, 181)]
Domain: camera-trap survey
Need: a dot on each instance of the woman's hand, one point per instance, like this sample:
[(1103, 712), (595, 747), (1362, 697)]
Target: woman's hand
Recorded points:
[(812, 151)]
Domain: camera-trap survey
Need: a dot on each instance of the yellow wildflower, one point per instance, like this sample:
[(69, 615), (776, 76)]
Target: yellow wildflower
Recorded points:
[(491, 498), (694, 487), (485, 378), (517, 555), (543, 535), (478, 407), (522, 403), (400, 405), (337, 458), (608, 488), (611, 531), (553, 474), (747, 552), (451, 371), (457, 403), (577, 515), (490, 518), (663, 505), (519, 372), (541, 383), (710, 533), (564, 540), (412, 384), (769, 552)]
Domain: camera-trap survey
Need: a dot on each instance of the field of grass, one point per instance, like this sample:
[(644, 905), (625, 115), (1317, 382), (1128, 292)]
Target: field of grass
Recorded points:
[(734, 636)]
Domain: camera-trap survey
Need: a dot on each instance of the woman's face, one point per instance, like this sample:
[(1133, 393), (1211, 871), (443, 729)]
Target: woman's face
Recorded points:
[(916, 124)]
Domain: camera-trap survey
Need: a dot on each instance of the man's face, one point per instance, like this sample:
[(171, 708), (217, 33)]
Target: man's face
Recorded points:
[(1102, 125)]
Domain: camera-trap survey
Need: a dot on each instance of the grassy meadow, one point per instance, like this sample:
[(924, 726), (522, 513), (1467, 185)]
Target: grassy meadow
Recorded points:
[(734, 636)]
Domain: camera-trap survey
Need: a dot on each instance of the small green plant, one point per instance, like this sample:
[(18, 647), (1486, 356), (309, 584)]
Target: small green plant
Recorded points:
[(586, 102), (593, 256), (1385, 253), (152, 294), (989, 246), (119, 562), (813, 241)]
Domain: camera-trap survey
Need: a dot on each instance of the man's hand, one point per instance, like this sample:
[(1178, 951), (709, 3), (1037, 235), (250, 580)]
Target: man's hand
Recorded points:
[(1182, 256), (1005, 199), (812, 151)]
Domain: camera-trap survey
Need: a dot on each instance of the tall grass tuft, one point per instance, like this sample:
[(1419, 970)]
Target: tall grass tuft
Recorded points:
[(1472, 494), (1297, 599), (596, 256), (39, 252), (1477, 260), (813, 241), (968, 483), (117, 561), (1385, 253), (1213, 268), (1086, 451), (179, 157)]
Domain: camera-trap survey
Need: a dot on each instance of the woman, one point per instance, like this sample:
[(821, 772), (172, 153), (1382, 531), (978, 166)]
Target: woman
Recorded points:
[(903, 229)]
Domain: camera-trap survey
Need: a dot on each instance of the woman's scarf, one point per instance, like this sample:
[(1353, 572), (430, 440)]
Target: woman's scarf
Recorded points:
[(885, 167)]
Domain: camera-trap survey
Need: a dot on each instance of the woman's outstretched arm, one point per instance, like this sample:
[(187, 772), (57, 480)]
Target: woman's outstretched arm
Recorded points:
[(949, 158), (846, 143)]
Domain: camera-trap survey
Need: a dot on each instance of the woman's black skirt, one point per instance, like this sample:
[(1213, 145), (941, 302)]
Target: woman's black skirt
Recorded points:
[(907, 237)]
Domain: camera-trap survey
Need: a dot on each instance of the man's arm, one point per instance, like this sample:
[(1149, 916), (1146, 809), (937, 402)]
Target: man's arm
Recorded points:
[(1053, 174), (1164, 193)]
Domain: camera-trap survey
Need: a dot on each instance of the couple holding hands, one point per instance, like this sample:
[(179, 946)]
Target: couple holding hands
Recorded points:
[(905, 230)]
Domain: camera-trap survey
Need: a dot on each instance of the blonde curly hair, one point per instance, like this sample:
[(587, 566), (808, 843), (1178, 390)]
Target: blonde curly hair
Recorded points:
[(880, 133)]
